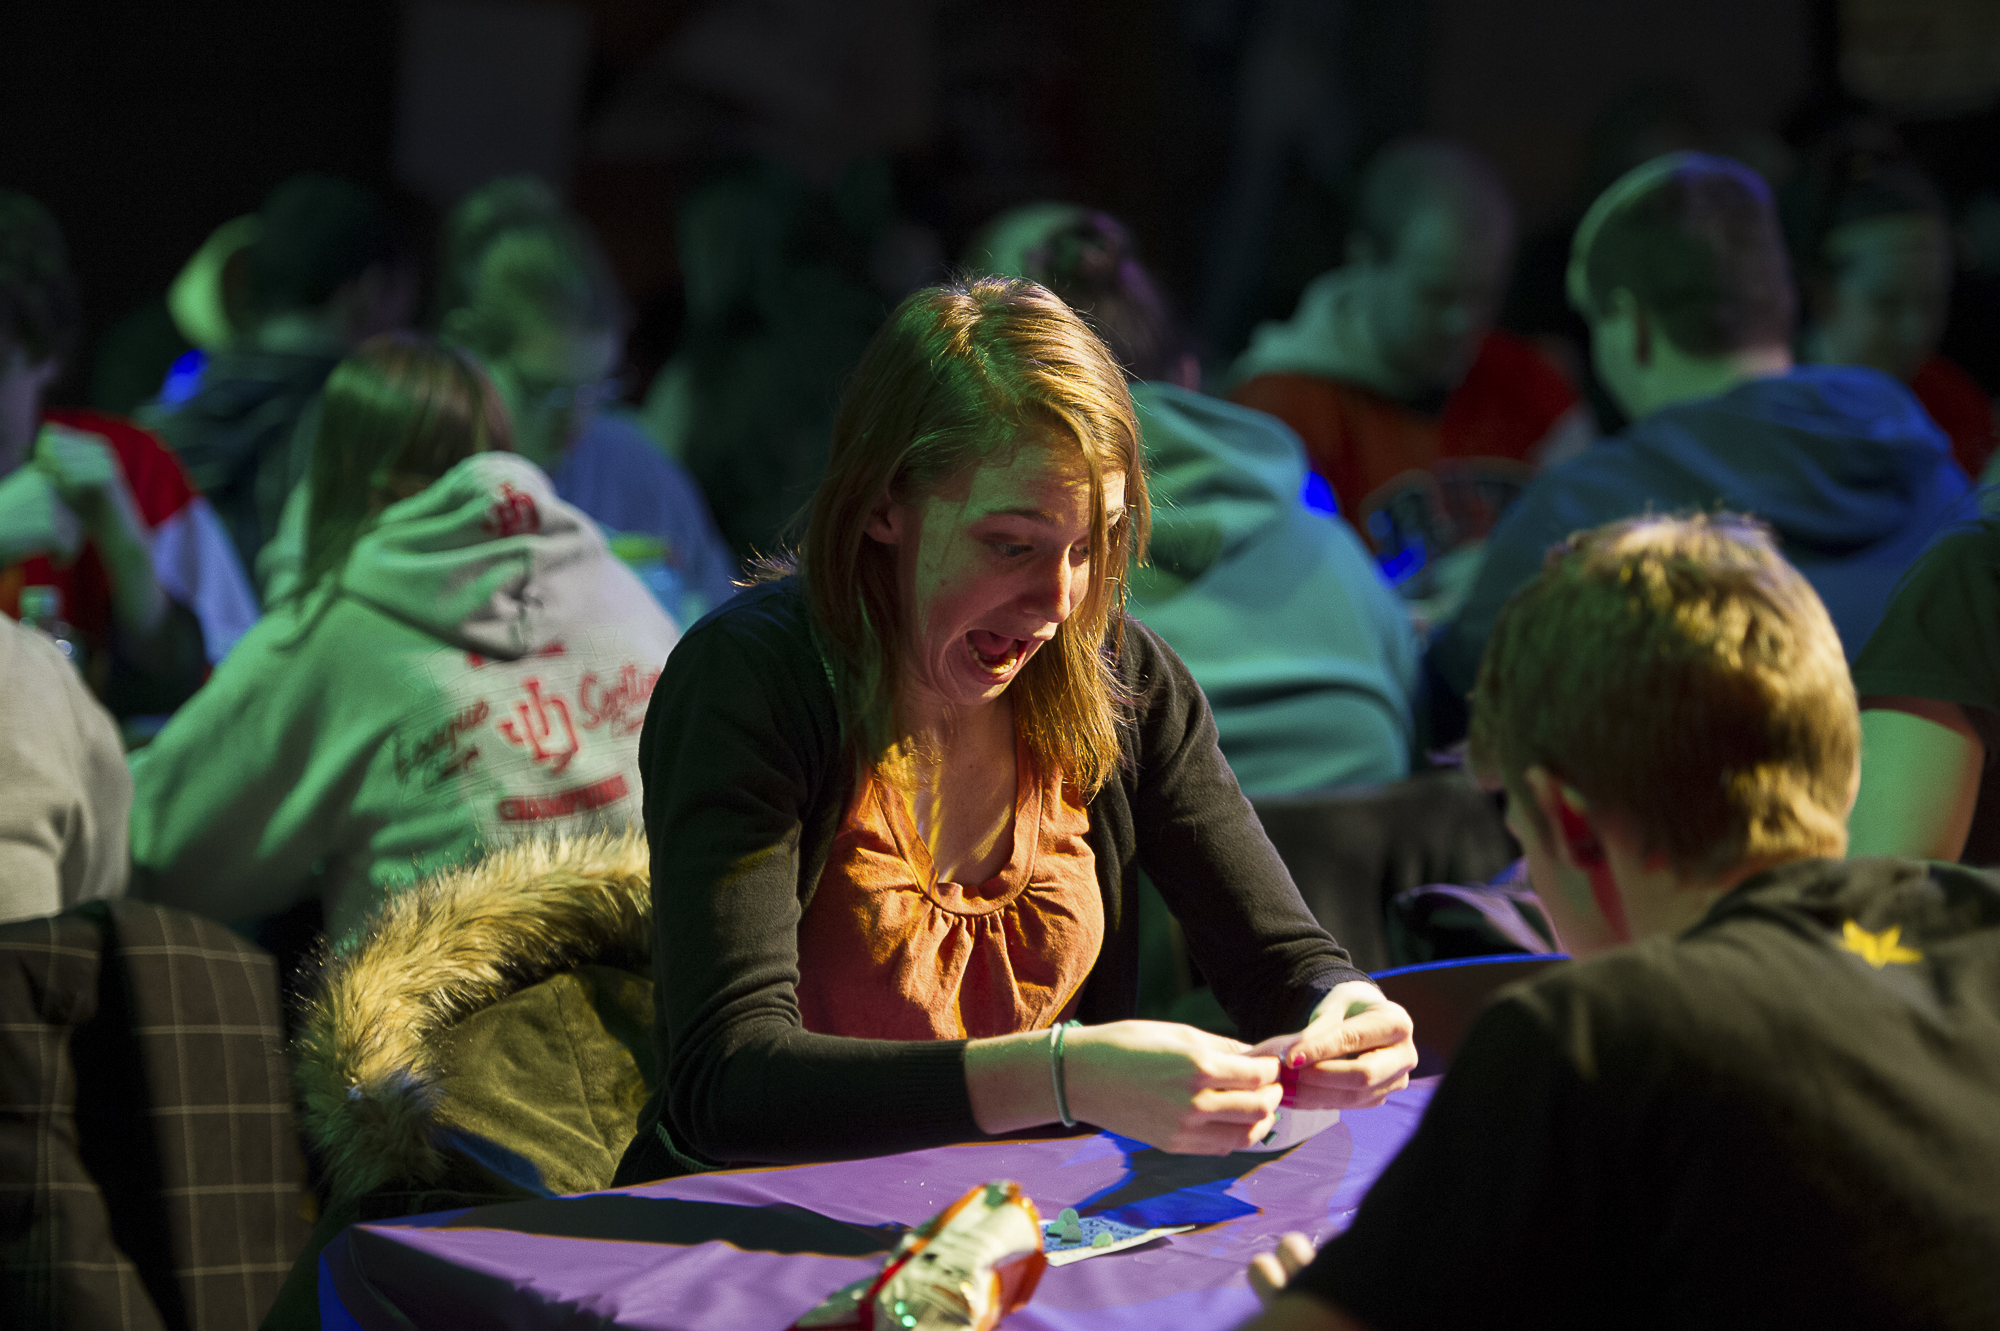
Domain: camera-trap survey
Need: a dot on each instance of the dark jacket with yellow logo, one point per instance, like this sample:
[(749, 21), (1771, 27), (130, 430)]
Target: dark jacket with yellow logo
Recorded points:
[(1787, 1116)]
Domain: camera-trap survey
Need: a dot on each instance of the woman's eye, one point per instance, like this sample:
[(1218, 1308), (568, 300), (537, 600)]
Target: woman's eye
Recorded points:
[(1008, 550), (1079, 555)]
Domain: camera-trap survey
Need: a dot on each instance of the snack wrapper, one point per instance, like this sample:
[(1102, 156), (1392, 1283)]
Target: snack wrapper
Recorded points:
[(975, 1262)]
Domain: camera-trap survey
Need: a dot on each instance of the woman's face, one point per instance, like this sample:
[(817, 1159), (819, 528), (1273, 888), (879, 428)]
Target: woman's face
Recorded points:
[(989, 568)]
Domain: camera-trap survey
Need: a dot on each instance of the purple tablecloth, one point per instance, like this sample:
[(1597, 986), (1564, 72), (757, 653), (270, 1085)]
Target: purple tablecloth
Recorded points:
[(751, 1249)]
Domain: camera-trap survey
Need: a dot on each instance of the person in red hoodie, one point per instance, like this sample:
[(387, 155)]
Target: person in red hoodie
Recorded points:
[(94, 509), (1424, 419)]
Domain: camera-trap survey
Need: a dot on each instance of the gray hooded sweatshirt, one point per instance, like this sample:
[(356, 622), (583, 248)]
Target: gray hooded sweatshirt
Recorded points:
[(478, 670)]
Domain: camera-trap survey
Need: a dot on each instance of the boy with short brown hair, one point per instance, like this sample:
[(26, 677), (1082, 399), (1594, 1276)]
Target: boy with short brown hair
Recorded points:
[(1777, 1105), (1680, 270), (1720, 733)]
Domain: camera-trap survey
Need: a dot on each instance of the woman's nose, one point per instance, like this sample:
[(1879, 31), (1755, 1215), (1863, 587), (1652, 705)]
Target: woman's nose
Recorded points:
[(1057, 588)]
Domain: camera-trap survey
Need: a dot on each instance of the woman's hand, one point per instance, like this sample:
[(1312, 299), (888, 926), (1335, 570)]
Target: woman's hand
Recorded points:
[(1348, 1061), (1171, 1086)]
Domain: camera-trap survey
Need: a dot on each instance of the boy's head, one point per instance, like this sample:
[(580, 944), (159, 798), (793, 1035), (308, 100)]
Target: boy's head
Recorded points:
[(1669, 695), (1684, 249), (1434, 232)]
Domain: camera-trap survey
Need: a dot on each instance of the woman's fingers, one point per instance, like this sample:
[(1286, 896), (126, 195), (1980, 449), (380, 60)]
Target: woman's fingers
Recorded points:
[(1331, 1037), (1237, 1072), (1210, 1137), (1355, 1083), (1237, 1106)]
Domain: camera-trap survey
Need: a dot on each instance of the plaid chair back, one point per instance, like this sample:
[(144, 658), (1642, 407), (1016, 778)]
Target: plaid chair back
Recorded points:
[(149, 1166)]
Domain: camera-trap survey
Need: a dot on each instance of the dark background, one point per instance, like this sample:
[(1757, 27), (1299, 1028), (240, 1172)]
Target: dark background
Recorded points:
[(1224, 131)]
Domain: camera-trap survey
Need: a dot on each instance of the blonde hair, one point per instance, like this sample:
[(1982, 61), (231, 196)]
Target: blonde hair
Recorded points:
[(960, 375), (1684, 677)]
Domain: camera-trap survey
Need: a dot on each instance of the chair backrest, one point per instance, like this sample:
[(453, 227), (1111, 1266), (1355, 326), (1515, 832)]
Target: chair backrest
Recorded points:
[(1351, 851), (165, 1184), (1444, 998)]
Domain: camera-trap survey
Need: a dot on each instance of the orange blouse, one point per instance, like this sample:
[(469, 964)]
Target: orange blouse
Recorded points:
[(887, 952)]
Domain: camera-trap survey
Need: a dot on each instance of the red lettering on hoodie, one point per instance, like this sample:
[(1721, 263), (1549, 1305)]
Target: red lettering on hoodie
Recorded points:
[(513, 513), (542, 726), (620, 704)]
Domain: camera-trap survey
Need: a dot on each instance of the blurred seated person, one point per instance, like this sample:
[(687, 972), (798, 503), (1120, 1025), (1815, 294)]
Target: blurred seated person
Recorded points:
[(898, 801), (1424, 419), (325, 271), (529, 291), (1871, 241), (1929, 681), (1680, 270), (1763, 1094), (786, 274), (65, 793), (1304, 652), (464, 662), (99, 526)]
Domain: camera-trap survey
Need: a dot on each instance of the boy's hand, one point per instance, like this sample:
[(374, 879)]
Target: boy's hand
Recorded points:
[(1270, 1272), (86, 474)]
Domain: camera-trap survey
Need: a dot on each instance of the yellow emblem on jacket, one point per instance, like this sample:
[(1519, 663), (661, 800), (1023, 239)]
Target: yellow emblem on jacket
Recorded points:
[(1878, 950)]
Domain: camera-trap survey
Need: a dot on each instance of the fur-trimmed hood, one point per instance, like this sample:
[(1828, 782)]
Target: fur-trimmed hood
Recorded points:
[(368, 1053)]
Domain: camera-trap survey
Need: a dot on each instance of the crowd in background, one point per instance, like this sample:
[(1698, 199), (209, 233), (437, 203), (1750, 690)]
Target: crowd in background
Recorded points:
[(379, 580)]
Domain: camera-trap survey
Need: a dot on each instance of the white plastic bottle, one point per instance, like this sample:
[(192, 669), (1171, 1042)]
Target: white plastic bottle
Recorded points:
[(42, 611)]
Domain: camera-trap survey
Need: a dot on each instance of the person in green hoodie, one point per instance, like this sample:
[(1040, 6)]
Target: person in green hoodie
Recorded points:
[(1306, 654), (465, 663)]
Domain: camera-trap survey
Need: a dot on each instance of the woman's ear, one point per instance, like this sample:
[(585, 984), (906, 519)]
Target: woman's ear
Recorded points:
[(886, 521)]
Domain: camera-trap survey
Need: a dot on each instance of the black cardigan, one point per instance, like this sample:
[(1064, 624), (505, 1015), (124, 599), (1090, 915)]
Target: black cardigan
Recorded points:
[(745, 789)]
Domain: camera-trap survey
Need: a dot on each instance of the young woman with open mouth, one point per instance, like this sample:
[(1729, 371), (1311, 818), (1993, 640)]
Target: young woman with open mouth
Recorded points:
[(899, 797)]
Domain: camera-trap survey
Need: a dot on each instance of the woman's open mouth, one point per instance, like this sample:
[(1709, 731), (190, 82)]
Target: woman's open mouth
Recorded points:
[(996, 653)]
